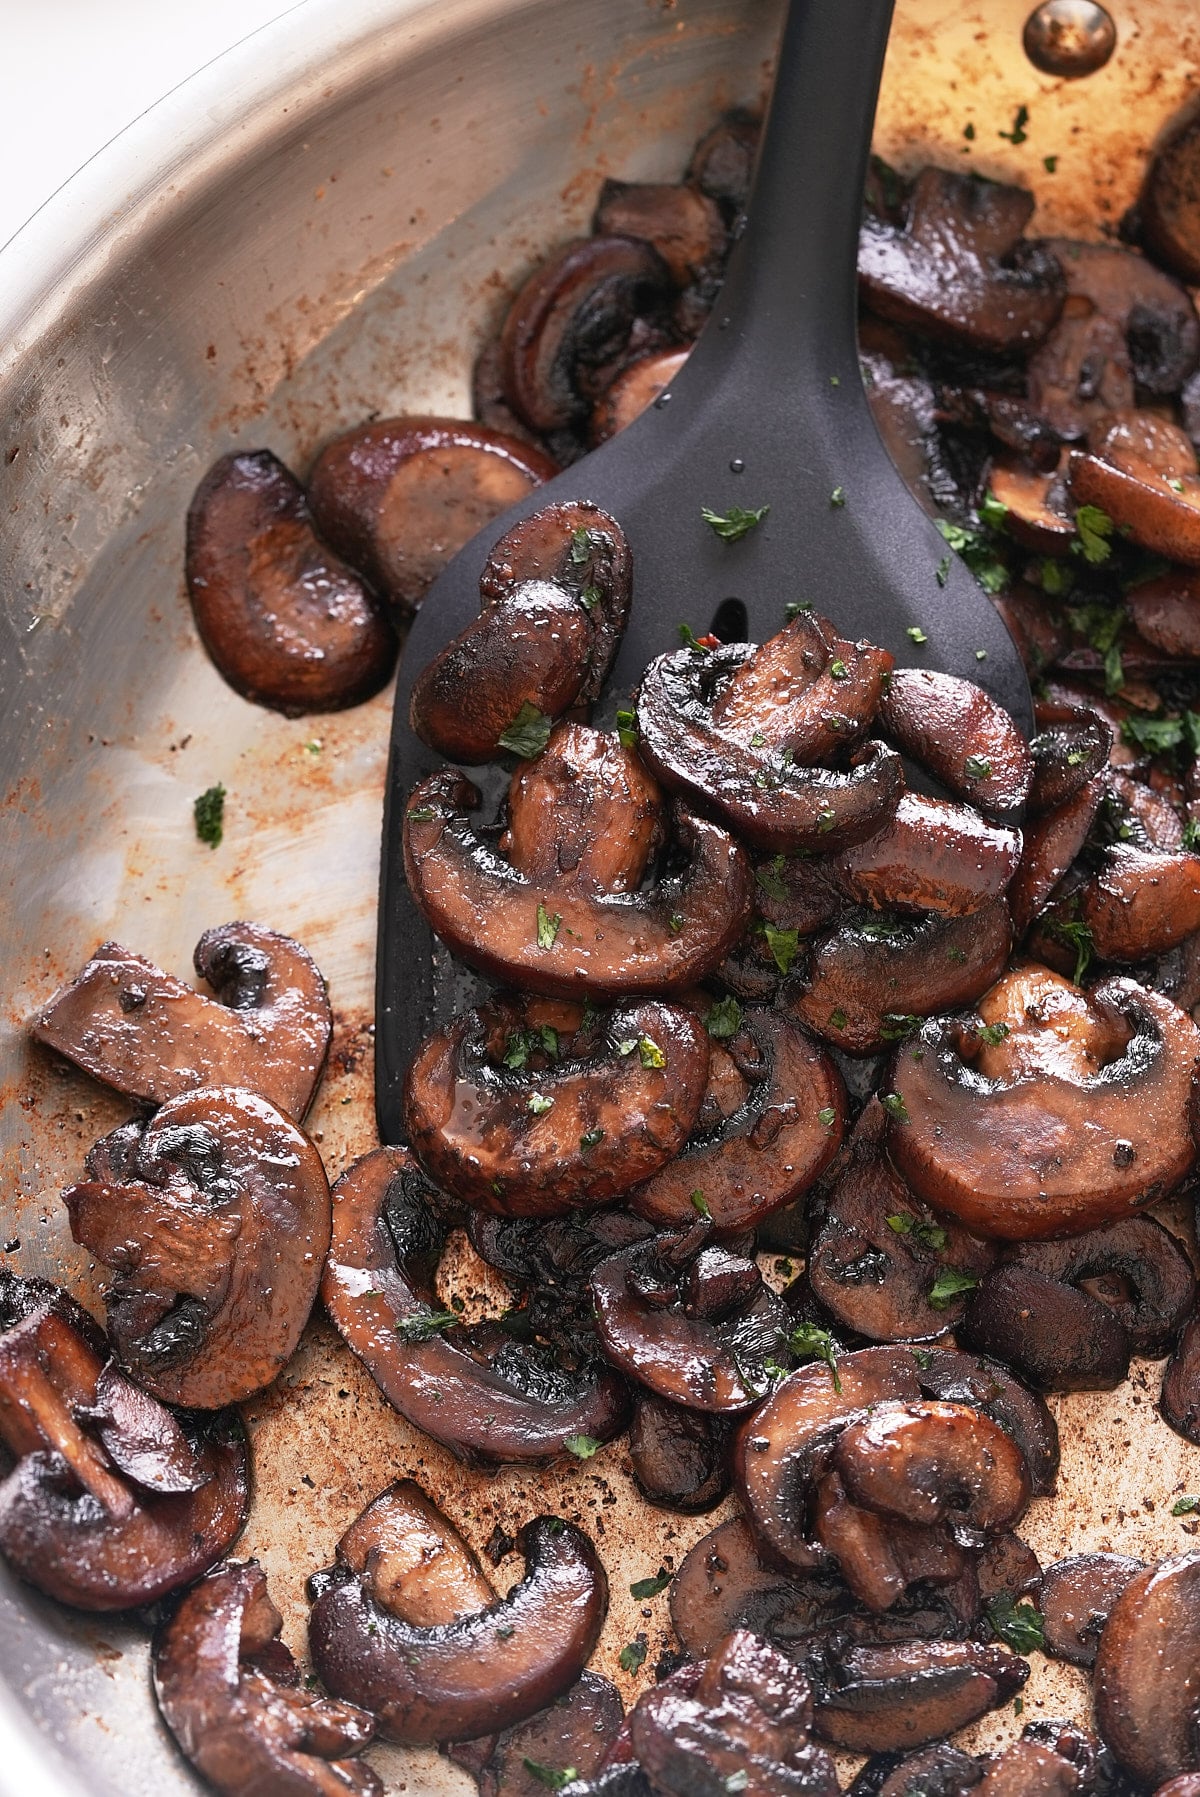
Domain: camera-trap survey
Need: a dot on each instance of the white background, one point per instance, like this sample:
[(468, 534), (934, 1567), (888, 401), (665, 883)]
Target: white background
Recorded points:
[(75, 72)]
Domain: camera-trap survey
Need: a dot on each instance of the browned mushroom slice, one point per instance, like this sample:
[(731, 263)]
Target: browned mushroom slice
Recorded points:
[(776, 1450), (748, 1719), (231, 1695), (959, 268), (1181, 1383), (939, 1771), (1146, 480), (932, 856), (491, 407), (287, 623), (1141, 903), (141, 1030), (932, 1462), (679, 1457), (722, 162), (1008, 1565), (113, 1502), (685, 226), (617, 1106), (867, 981), (1070, 748), (1027, 1137), (214, 1218), (584, 809), (575, 1734), (805, 689), (693, 1323), (399, 497), (726, 1582), (1137, 814), (1039, 513), (1057, 1338), (1076, 1597), (878, 1556), (1146, 1698), (636, 387), (876, 1252), (1166, 611), (478, 1398), (786, 1127), (897, 1697), (479, 1673), (958, 1378), (572, 318), (962, 736), (1138, 1269), (1051, 842), (1037, 1767), (555, 938), (1169, 205), (1038, 629)]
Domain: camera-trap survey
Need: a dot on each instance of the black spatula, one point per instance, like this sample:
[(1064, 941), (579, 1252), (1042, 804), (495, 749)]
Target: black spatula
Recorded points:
[(768, 410)]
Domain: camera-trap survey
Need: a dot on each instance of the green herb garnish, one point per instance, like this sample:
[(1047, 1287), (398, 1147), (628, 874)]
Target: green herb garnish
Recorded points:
[(582, 1446), (915, 634), (1093, 529), (943, 571), (734, 524), (898, 1024), (649, 1053), (699, 1203), (553, 1777), (838, 496), (1078, 936), (539, 1104), (807, 1342), (632, 1658), (590, 1138), (894, 1105), (1185, 1505), (992, 1033), (208, 811), (827, 1116), (770, 878), (977, 767), (423, 1324), (643, 1588), (528, 733), (1018, 1623), (783, 945), (949, 1285), (837, 1018), (724, 1019), (627, 729), (979, 553), (1018, 134), (547, 927)]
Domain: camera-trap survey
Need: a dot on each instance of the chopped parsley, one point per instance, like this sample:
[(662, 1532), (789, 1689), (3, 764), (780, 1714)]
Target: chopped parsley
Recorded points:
[(590, 598), (724, 1019), (632, 1658), (208, 813), (895, 1107), (827, 1116), (783, 945), (690, 640), (1185, 1505), (1093, 532), (1056, 578), (1017, 1623), (649, 1053), (915, 634), (898, 1024), (979, 553), (977, 767), (807, 1342), (737, 522), (838, 496), (949, 1285), (992, 511), (423, 1324), (837, 1019), (520, 1044), (547, 927), (943, 571), (553, 1777), (699, 1203), (643, 1588), (1018, 134), (1191, 835), (422, 814), (581, 545), (1078, 936), (582, 1446), (590, 1139), (1160, 735), (838, 670), (770, 878), (930, 1235), (1050, 164), (1101, 626), (539, 1104), (992, 1033), (627, 729), (528, 733)]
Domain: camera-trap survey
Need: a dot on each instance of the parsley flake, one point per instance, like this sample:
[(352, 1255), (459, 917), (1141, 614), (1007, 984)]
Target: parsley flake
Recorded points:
[(582, 1446), (643, 1588), (590, 1138), (581, 545), (770, 878), (208, 813), (724, 1019), (1078, 936), (915, 634), (539, 1104), (1018, 134), (807, 1342), (977, 767), (1017, 1623), (895, 1107), (837, 1019), (737, 522), (632, 1658), (943, 571), (627, 730), (699, 1203), (827, 1116), (528, 733), (650, 1054), (1094, 529), (423, 1324), (553, 1777), (547, 927), (949, 1285), (783, 945), (422, 814), (1185, 1505), (838, 496), (992, 1033)]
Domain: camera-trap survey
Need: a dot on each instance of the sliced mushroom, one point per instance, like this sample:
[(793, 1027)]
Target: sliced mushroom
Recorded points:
[(691, 1322), (931, 856), (584, 809), (964, 738), (214, 1218), (1170, 202), (617, 1106), (1141, 903), (1052, 840), (785, 1128), (722, 162), (555, 598), (867, 981), (1039, 630), (880, 1699), (777, 1450), (1038, 507), (1076, 1597), (399, 497), (739, 728), (556, 938), (1166, 611), (1143, 473), (1146, 1679), (575, 1734), (1181, 1383), (940, 1771), (288, 624), (1136, 1267), (482, 1397), (113, 1502), (1029, 1138), (748, 1719), (958, 1378), (1070, 748), (727, 1582), (144, 1032), (1056, 1337), (231, 1695), (1033, 1768), (880, 1557), (680, 1457), (1139, 815), (959, 268), (931, 1462), (572, 319), (636, 387), (683, 223), (481, 1672), (1007, 1565)]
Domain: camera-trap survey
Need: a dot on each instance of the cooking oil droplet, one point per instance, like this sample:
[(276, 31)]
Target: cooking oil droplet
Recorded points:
[(737, 466)]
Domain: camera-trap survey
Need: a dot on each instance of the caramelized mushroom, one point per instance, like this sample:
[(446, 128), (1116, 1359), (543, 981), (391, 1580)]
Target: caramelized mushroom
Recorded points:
[(868, 981), (231, 1695), (1166, 611), (876, 1699), (959, 268), (771, 1146), (958, 1378), (692, 1323), (1181, 1383), (399, 497), (685, 226), (940, 1771), (964, 738), (585, 809), (144, 1032), (554, 937), (1051, 842), (1076, 1597), (739, 727), (930, 1462), (576, 1733), (287, 623), (996, 1134), (636, 387), (113, 1502), (476, 1391), (477, 1672), (1141, 903), (680, 1457), (1070, 748), (748, 1719), (880, 1556), (723, 160), (727, 1582), (617, 1106), (555, 598), (1146, 1693), (572, 319), (1143, 473), (1037, 503), (214, 1219), (931, 856), (1170, 202)]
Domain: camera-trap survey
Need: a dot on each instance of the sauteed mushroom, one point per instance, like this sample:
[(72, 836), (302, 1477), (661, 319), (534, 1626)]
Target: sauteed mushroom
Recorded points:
[(1037, 502), (940, 1771), (727, 1582), (585, 809), (634, 389), (617, 1105), (770, 1147), (478, 1392), (231, 1695), (399, 497), (139, 1029), (1166, 611), (1070, 749), (931, 855), (959, 1378), (930, 1462), (723, 160), (1141, 903), (1143, 473), (555, 597), (576, 1733), (994, 1133), (959, 268), (876, 1699), (680, 1457), (113, 1502), (1051, 843), (478, 1672), (685, 226), (1075, 1599), (214, 1219), (1181, 1383), (966, 740), (287, 622), (555, 937), (880, 1557), (1146, 1678), (1169, 202)]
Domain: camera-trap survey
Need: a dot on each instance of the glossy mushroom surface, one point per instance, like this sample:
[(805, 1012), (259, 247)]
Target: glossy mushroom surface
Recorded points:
[(214, 1219), (1075, 1598), (144, 1032), (965, 740), (1147, 1682), (932, 855), (879, 1699)]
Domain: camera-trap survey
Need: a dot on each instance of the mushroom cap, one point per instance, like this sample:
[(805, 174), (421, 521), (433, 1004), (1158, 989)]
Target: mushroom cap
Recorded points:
[(931, 855), (962, 736), (1147, 1674)]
